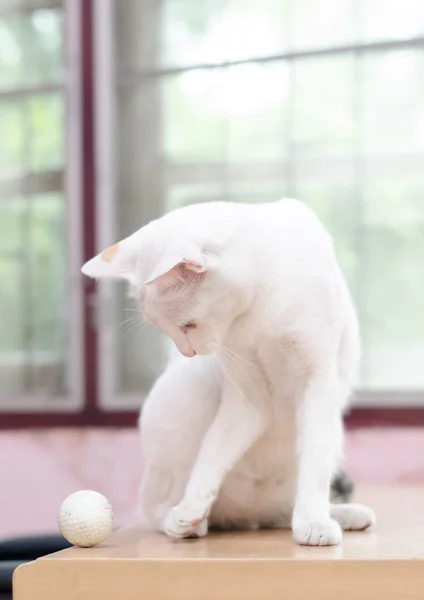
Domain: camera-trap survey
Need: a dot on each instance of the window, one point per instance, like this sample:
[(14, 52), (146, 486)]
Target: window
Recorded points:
[(39, 295), (251, 100), (192, 101)]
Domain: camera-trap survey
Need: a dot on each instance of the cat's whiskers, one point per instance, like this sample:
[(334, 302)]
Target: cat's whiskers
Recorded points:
[(217, 374), (135, 323), (230, 362), (129, 320), (219, 358), (137, 326), (230, 352), (231, 379)]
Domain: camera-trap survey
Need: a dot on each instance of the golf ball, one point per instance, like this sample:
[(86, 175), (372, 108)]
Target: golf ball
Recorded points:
[(85, 518)]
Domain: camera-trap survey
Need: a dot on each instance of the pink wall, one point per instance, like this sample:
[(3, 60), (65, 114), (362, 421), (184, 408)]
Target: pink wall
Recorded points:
[(38, 469)]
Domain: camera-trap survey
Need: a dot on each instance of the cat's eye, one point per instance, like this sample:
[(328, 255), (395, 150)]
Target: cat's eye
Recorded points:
[(188, 325)]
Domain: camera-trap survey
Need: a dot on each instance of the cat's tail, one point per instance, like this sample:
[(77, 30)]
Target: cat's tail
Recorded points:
[(342, 488)]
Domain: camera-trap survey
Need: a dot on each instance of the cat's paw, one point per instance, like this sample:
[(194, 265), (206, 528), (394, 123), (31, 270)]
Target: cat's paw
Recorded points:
[(353, 517), (188, 519), (317, 533)]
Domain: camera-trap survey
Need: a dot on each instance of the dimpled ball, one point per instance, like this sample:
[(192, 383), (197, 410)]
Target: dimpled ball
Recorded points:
[(85, 518)]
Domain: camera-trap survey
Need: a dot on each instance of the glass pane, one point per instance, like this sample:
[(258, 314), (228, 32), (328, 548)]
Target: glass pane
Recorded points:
[(12, 138), (323, 111), (34, 343), (193, 32), (391, 19), (46, 116), (222, 30), (260, 191), (31, 47), (195, 116), (322, 23), (12, 216), (32, 136), (257, 107), (393, 101), (184, 194), (12, 61), (239, 113), (392, 278), (186, 32), (13, 304), (48, 239)]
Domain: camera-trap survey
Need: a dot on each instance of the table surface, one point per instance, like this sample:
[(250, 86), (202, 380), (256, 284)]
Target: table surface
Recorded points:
[(246, 564)]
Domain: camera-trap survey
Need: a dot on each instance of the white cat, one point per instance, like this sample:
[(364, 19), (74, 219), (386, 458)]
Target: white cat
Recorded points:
[(246, 431)]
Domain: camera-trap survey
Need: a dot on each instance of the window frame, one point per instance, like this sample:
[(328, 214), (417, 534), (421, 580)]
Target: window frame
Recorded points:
[(80, 187), (90, 185)]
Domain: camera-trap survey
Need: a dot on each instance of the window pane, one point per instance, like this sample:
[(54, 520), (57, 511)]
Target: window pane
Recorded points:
[(182, 195), (33, 242), (193, 32), (46, 123), (31, 46), (322, 23), (256, 103), (392, 276), (223, 30), (259, 191), (194, 113), (33, 346), (323, 111), (11, 302), (393, 101), (151, 34), (239, 113), (12, 138), (391, 19), (32, 134)]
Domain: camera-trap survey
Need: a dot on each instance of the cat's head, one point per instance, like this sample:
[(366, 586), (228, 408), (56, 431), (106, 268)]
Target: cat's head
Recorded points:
[(188, 282)]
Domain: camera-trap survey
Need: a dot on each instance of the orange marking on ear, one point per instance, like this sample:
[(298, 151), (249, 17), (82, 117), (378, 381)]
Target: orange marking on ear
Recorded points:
[(108, 254)]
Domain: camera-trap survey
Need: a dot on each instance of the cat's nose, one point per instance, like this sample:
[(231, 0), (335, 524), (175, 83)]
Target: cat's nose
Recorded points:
[(187, 352)]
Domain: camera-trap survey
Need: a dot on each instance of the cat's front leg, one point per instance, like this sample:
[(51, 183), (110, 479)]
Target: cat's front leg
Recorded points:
[(238, 424), (319, 447)]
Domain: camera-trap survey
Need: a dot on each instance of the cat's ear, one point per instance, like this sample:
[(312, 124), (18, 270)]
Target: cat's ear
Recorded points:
[(117, 262), (180, 265), (189, 261)]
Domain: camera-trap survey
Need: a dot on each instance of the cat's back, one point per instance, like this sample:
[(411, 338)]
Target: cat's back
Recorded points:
[(289, 222), (288, 241)]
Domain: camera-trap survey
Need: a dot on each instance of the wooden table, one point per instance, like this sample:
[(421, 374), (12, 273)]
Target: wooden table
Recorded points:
[(384, 564)]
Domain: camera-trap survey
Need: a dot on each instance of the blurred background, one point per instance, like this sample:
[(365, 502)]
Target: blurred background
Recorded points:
[(113, 112)]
